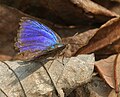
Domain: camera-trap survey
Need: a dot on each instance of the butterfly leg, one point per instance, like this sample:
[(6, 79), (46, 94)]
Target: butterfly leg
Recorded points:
[(51, 63), (54, 58)]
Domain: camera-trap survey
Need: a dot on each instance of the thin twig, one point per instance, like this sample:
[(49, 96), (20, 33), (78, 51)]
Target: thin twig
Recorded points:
[(16, 77), (3, 92), (51, 79), (115, 74)]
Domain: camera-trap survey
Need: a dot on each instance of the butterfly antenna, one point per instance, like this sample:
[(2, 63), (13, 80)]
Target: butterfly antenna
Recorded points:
[(51, 63), (16, 77), (56, 91)]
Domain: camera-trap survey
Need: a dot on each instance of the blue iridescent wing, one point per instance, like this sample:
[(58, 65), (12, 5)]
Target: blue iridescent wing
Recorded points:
[(34, 37)]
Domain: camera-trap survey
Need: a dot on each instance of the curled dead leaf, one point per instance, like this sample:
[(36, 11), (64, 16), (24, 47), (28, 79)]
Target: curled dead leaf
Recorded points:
[(105, 67), (107, 35)]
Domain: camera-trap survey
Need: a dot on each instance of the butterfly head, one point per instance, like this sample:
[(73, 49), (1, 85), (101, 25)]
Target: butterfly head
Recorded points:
[(58, 45)]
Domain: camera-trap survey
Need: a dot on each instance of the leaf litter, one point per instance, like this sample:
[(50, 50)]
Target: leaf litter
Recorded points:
[(87, 26)]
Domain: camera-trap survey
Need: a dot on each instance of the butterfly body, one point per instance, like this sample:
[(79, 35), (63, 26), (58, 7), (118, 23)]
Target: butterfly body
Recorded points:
[(35, 39)]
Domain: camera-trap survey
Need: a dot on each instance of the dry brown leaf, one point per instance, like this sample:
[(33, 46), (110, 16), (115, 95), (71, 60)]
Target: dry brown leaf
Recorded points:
[(106, 35), (105, 67)]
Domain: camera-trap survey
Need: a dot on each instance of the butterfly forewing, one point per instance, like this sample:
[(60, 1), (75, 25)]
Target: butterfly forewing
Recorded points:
[(35, 38)]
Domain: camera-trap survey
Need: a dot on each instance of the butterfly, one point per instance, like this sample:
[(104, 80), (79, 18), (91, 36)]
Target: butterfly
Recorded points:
[(35, 39)]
